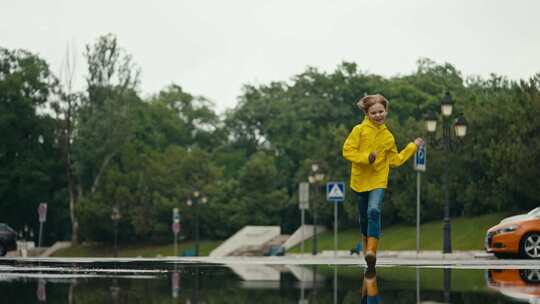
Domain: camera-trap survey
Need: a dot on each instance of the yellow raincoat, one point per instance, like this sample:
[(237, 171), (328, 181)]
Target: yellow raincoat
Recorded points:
[(368, 137)]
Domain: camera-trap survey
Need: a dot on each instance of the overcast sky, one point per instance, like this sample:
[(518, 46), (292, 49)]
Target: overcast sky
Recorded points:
[(213, 47)]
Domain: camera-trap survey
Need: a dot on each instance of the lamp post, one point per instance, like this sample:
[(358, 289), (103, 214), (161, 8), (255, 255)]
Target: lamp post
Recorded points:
[(196, 199), (26, 238), (115, 217), (445, 143), (176, 228), (315, 178)]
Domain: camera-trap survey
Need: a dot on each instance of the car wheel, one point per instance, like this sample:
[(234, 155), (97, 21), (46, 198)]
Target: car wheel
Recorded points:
[(2, 250), (530, 275), (530, 246)]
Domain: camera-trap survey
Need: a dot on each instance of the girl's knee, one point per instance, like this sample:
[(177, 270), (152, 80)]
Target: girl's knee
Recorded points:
[(374, 213)]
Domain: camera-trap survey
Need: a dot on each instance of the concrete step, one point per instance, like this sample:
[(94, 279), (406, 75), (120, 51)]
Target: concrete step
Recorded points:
[(278, 240)]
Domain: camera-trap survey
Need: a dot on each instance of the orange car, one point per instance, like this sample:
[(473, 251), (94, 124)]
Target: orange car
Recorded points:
[(516, 235)]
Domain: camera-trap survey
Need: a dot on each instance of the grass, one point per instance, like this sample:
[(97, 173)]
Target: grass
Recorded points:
[(138, 250), (467, 234)]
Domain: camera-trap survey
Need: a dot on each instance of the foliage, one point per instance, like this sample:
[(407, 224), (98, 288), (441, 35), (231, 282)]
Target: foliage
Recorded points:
[(30, 170), (148, 155)]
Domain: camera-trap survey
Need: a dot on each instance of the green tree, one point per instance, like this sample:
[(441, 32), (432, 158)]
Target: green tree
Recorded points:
[(254, 198), (102, 118), (28, 160), (65, 107), (196, 122)]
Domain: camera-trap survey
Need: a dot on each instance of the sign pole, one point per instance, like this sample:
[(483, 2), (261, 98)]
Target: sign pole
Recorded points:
[(303, 212), (418, 212), (175, 244), (335, 193), (303, 198), (419, 166), (335, 228), (42, 212), (40, 233)]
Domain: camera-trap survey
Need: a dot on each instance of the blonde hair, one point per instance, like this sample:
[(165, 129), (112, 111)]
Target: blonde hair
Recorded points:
[(369, 100)]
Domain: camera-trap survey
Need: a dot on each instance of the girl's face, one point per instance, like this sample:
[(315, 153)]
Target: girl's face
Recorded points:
[(377, 113)]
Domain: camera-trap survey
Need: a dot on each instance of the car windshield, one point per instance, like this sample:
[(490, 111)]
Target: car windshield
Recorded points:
[(535, 211)]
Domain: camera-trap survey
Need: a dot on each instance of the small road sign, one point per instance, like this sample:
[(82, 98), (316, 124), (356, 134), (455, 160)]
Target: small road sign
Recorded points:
[(303, 195), (420, 159), (176, 227), (176, 215), (335, 192), (42, 212)]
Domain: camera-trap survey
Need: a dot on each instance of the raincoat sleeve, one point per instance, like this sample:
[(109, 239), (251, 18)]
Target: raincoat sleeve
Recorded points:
[(351, 150), (397, 159)]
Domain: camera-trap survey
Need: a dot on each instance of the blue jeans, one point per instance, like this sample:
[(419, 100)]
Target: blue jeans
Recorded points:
[(369, 212), (371, 299)]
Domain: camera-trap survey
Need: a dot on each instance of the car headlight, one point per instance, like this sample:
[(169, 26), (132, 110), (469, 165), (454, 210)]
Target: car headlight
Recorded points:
[(508, 229)]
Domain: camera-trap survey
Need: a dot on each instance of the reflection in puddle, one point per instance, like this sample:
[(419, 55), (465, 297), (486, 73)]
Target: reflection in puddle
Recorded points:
[(370, 291), (199, 283), (519, 284)]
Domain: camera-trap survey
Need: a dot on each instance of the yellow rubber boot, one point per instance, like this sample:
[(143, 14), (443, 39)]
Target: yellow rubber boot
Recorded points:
[(364, 244), (364, 288), (371, 252), (370, 282)]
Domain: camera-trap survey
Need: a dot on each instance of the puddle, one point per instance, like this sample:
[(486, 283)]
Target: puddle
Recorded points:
[(169, 282)]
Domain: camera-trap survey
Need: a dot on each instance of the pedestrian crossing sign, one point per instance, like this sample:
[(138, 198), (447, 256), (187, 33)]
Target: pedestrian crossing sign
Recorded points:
[(335, 192)]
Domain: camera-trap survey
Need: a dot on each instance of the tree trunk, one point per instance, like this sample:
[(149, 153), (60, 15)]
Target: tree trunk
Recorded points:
[(101, 170), (72, 196), (73, 217)]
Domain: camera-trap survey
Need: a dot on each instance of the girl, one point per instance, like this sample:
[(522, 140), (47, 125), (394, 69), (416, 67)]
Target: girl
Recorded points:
[(371, 149)]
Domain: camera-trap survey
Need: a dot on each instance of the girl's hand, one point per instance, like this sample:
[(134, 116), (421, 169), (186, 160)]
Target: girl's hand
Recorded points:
[(372, 157), (419, 142)]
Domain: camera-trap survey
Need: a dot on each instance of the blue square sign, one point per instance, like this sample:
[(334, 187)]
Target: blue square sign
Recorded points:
[(420, 159), (335, 192)]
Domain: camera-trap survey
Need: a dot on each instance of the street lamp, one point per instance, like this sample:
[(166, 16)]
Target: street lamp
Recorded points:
[(445, 143), (25, 238), (196, 199), (315, 178), (115, 217)]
